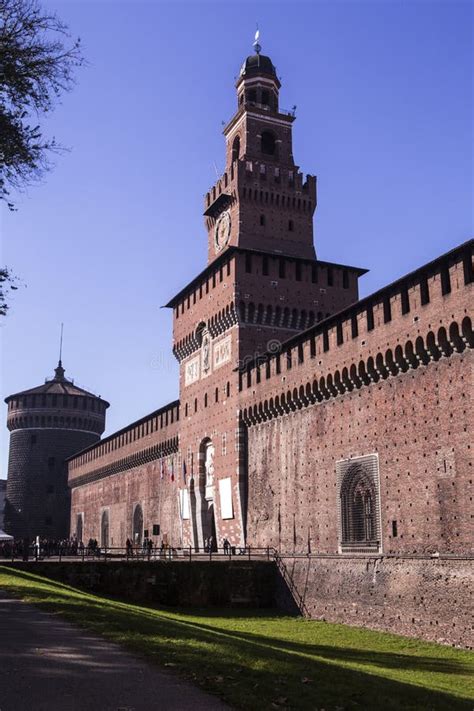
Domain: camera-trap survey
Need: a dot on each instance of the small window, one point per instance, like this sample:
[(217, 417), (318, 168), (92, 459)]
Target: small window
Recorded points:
[(424, 292), (394, 529), (281, 268), (268, 143), (387, 310), (290, 226), (262, 220), (354, 326), (325, 340), (227, 389), (252, 95), (445, 281), (265, 97), (340, 336), (236, 148), (405, 301), (314, 274), (370, 318), (265, 266), (330, 276)]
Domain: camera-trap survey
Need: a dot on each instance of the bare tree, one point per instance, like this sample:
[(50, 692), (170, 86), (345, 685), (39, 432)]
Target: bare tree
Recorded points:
[(37, 63)]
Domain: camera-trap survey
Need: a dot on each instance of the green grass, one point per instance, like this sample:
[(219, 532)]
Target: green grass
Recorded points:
[(258, 660)]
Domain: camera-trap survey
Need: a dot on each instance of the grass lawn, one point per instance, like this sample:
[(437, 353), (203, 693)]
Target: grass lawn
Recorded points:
[(260, 660)]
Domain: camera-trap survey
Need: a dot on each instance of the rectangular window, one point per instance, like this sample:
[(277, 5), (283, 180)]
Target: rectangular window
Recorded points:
[(314, 274), (387, 310), (312, 347), (265, 266), (330, 276), (405, 301), (445, 281), (354, 326), (339, 334), (325, 340), (394, 529), (281, 268), (370, 318), (300, 353), (424, 292)]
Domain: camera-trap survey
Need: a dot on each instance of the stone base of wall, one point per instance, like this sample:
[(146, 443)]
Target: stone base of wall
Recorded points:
[(430, 598), (172, 583)]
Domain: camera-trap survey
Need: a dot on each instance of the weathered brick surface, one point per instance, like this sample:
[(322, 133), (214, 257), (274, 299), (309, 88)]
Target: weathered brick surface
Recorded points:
[(419, 597)]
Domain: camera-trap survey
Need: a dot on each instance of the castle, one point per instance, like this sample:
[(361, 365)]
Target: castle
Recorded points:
[(325, 426)]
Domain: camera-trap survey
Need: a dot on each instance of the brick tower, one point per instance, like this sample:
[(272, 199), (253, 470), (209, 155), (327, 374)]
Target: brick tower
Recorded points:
[(48, 424), (262, 285)]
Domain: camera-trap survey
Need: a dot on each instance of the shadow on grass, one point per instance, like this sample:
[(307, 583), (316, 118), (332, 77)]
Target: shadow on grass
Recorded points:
[(251, 670)]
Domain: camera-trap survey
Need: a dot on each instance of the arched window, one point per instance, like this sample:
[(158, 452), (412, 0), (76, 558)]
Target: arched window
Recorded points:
[(236, 148), (268, 143), (137, 525), (104, 530), (359, 504)]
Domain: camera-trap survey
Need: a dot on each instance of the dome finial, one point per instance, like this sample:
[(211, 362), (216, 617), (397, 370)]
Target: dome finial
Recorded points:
[(60, 370), (256, 45)]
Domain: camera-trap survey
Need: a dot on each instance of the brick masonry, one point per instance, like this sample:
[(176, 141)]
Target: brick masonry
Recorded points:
[(284, 374)]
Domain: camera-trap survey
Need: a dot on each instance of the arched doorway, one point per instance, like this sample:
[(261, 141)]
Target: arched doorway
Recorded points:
[(79, 528), (104, 530), (137, 533)]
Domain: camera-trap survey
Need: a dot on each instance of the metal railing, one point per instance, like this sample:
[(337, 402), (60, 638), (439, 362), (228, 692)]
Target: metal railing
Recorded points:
[(138, 553)]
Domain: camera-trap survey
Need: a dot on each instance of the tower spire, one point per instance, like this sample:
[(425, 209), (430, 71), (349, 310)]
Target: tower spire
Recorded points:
[(256, 45), (59, 371)]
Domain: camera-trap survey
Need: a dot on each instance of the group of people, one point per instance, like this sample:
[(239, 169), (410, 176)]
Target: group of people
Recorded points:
[(39, 547)]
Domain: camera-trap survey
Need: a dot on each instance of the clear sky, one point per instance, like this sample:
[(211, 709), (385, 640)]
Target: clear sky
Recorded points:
[(384, 94)]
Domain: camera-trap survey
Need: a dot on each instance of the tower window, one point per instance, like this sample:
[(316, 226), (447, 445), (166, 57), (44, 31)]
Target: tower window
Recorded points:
[(265, 266), (236, 148), (281, 269), (290, 225), (330, 277), (265, 97), (394, 529), (268, 143), (252, 95), (262, 220)]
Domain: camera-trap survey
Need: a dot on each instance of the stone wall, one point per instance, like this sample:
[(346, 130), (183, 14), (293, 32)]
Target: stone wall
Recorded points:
[(172, 583), (430, 598)]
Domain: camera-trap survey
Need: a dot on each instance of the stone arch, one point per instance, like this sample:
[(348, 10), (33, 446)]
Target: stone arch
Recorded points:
[(104, 529), (467, 333), (359, 506), (137, 525)]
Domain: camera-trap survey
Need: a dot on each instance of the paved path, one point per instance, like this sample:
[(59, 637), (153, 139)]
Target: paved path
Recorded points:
[(47, 664)]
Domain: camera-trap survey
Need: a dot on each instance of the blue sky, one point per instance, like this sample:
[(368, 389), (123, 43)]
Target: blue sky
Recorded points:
[(384, 94)]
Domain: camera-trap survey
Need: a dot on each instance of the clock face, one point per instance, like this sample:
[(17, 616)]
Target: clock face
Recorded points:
[(222, 233)]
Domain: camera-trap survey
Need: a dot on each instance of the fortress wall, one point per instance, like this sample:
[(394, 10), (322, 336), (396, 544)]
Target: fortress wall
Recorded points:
[(430, 598), (420, 425)]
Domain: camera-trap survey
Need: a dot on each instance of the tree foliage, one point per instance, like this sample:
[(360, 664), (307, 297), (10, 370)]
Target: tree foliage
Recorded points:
[(7, 283), (37, 62)]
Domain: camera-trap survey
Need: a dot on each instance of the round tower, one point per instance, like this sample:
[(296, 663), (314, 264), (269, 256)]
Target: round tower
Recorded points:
[(48, 424)]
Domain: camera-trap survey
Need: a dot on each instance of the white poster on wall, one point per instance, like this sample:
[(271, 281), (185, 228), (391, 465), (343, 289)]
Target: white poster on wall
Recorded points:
[(225, 493), (184, 503)]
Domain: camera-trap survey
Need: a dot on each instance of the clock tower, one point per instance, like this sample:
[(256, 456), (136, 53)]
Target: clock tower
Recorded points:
[(262, 201), (262, 285)]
